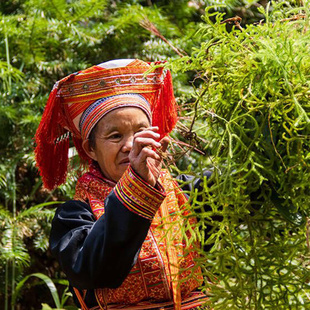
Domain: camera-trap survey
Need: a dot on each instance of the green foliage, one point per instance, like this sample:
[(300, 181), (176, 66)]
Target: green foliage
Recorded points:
[(250, 75), (41, 42), (15, 229), (252, 109), (59, 302)]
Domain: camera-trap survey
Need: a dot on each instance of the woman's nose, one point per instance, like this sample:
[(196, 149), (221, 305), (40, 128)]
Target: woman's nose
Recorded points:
[(128, 142)]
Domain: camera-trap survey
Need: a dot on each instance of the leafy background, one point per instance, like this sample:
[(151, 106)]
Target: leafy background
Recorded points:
[(243, 91)]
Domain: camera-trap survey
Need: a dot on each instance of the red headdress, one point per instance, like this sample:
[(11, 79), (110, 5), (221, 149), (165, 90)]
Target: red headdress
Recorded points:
[(96, 91)]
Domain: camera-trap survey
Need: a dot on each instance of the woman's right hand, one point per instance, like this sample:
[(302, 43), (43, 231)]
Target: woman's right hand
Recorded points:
[(145, 156)]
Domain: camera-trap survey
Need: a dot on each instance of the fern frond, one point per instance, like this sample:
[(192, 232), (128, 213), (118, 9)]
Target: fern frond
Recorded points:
[(5, 214), (84, 9), (13, 249), (8, 72), (37, 211)]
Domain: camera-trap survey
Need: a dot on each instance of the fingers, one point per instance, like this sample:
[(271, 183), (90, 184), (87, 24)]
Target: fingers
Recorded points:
[(141, 164), (145, 138), (146, 145), (140, 144), (150, 132), (147, 153), (164, 143)]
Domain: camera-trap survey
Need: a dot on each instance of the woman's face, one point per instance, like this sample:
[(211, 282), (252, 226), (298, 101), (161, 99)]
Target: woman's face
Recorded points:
[(113, 140)]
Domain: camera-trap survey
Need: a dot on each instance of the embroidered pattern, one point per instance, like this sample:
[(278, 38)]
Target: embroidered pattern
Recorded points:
[(194, 300), (85, 87), (151, 279), (101, 83), (137, 195)]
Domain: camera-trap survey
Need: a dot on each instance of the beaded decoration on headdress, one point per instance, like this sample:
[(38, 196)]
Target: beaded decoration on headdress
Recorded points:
[(101, 88)]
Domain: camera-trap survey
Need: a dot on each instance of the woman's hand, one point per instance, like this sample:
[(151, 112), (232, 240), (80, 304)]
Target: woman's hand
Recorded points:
[(146, 154)]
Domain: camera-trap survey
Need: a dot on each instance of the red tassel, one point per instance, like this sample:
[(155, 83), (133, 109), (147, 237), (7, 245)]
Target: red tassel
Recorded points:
[(165, 112), (52, 156)]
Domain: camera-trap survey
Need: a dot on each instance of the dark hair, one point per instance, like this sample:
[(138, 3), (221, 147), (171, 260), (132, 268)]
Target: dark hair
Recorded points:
[(92, 137)]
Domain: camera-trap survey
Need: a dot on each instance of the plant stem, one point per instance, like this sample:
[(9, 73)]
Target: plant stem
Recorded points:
[(7, 51), (14, 229), (6, 298), (196, 108)]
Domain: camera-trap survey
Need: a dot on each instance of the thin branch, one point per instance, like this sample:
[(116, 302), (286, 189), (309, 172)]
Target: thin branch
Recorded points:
[(196, 108), (148, 25), (295, 17), (272, 141), (307, 233), (189, 146), (234, 20)]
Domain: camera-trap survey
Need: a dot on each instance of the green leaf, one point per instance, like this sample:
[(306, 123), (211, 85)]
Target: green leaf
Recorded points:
[(46, 307), (49, 283)]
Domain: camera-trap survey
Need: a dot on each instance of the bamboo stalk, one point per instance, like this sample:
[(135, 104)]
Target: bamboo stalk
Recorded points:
[(7, 52), (14, 230), (6, 287)]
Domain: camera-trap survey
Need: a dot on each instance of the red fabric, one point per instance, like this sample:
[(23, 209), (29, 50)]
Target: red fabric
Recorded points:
[(164, 111), (73, 94), (52, 155), (166, 268)]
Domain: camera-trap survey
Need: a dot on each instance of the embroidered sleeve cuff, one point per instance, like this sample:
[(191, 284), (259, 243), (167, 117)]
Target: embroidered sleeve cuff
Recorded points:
[(137, 195)]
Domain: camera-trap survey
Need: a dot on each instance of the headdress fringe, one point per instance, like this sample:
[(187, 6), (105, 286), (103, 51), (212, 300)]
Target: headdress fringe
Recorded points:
[(164, 111), (51, 150)]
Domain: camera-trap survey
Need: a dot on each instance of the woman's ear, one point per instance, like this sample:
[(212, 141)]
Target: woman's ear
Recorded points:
[(89, 150)]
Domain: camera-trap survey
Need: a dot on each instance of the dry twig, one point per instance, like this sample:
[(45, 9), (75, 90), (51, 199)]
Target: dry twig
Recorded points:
[(234, 20), (295, 17), (146, 24)]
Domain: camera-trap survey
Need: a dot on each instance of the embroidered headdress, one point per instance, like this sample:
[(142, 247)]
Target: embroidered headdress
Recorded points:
[(80, 100)]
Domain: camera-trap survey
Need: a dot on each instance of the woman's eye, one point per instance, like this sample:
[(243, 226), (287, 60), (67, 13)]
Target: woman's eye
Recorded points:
[(115, 136)]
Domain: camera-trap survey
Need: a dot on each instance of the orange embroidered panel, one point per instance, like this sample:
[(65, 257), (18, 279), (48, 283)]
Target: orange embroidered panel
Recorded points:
[(152, 277)]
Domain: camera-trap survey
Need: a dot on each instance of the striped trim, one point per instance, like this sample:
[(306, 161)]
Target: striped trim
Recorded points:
[(137, 195), (93, 114)]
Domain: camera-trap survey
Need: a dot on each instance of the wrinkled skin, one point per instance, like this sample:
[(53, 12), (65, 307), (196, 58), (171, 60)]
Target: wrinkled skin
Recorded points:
[(124, 136)]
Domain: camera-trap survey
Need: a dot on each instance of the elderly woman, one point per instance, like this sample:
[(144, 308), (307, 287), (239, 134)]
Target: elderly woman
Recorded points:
[(119, 240)]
